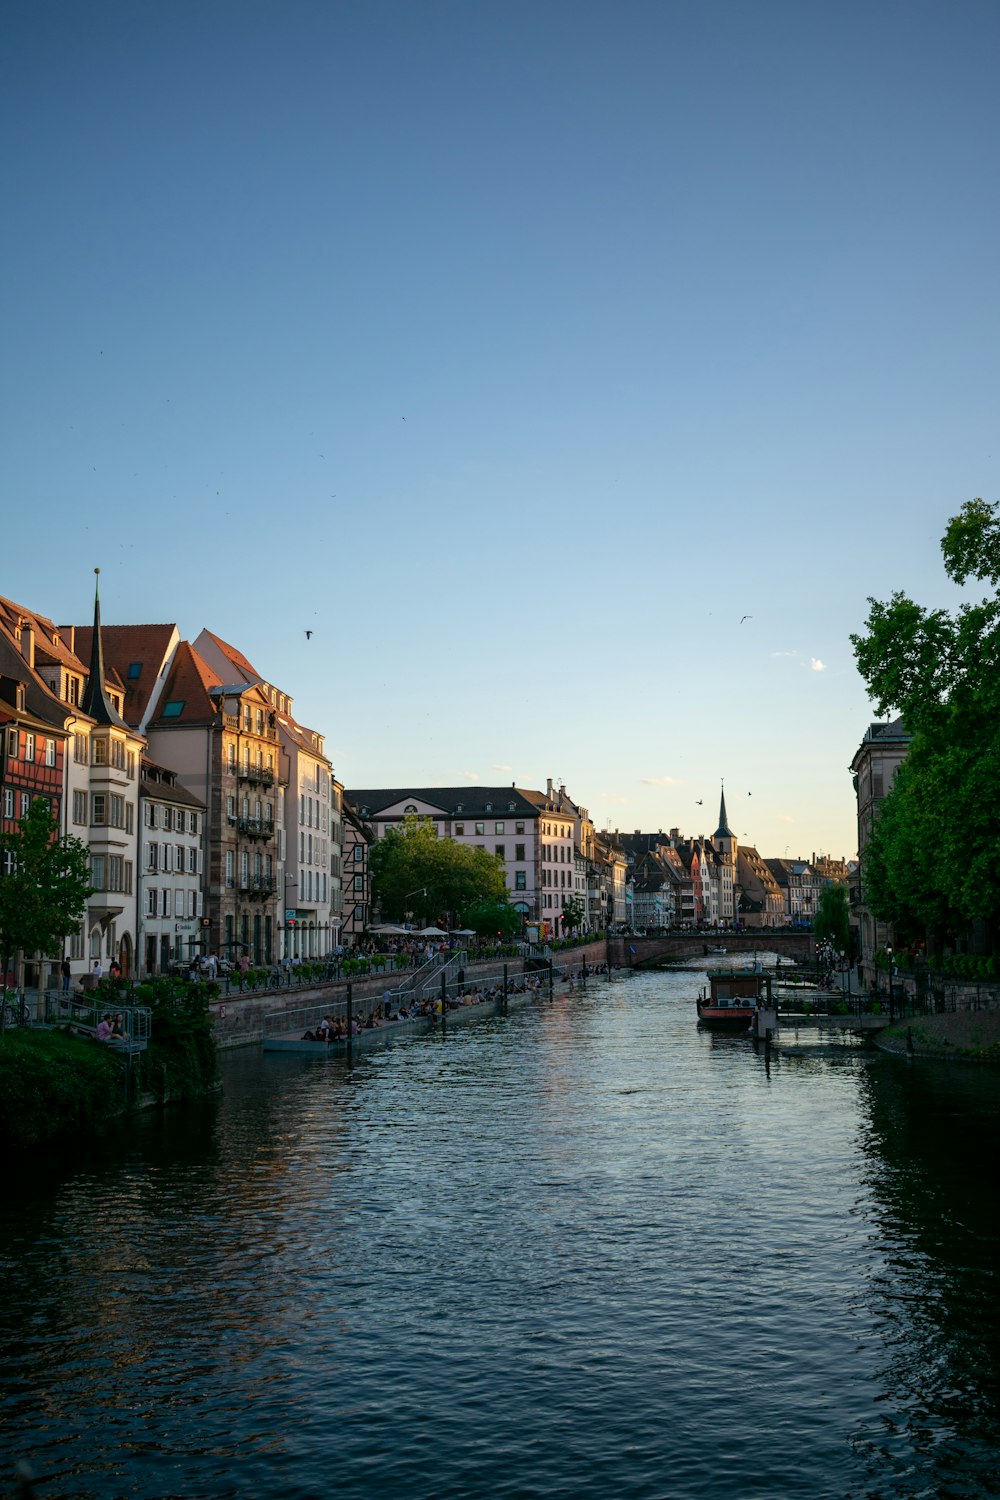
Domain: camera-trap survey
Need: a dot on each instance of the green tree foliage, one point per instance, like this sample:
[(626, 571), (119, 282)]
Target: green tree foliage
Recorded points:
[(412, 870), (832, 923), (44, 896), (933, 860), (572, 914), (491, 918)]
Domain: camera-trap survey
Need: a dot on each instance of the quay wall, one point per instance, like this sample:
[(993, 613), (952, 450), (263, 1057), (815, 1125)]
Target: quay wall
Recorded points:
[(238, 1019)]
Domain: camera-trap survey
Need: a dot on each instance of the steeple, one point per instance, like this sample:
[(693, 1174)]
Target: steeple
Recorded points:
[(723, 831), (96, 702)]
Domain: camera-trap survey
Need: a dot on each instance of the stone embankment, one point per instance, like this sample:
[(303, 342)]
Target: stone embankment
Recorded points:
[(238, 1020), (958, 1036)]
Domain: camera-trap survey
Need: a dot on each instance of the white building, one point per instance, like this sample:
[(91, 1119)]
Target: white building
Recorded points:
[(172, 870)]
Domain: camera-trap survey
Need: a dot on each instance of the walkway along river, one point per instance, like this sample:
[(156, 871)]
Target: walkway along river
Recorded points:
[(583, 1251)]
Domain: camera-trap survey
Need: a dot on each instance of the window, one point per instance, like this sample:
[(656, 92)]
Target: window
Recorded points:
[(29, 746), (97, 871), (498, 828), (180, 819), (115, 872), (76, 944), (230, 868), (359, 882), (358, 854), (12, 744), (231, 757), (194, 822), (100, 751), (519, 827), (192, 860), (50, 752), (151, 902), (73, 698), (81, 752), (99, 809), (500, 851), (518, 851), (129, 818), (116, 811), (260, 721), (152, 856), (520, 880), (459, 830), (134, 670), (25, 804), (173, 709), (118, 754), (480, 827), (168, 817), (8, 802)]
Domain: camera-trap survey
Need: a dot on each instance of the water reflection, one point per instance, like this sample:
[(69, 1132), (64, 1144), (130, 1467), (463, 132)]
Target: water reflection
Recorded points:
[(588, 1250), (933, 1166)]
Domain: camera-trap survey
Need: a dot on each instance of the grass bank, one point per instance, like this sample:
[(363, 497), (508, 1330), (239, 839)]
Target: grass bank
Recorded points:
[(962, 1036)]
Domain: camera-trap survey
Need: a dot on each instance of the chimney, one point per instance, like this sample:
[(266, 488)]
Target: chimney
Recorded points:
[(72, 639), (28, 644), (548, 788)]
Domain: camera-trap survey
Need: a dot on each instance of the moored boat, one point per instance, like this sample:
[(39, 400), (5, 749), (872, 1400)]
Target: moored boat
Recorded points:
[(734, 997)]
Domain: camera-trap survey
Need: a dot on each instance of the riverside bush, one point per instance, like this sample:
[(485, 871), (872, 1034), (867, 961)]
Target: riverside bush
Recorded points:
[(52, 1082)]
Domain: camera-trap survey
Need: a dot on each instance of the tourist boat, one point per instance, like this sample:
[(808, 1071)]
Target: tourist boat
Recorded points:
[(717, 948), (733, 998)]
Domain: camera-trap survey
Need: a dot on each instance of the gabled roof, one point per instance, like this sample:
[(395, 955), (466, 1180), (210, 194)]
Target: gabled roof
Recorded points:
[(239, 661), (127, 647), (189, 683)]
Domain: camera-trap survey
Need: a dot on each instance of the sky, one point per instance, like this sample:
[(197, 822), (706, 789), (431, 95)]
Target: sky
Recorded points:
[(574, 372)]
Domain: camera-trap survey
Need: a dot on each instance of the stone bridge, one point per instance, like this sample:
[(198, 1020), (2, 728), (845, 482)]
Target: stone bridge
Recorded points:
[(648, 950)]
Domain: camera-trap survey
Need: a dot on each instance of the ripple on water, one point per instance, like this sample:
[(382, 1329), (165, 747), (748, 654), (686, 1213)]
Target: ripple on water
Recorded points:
[(586, 1251)]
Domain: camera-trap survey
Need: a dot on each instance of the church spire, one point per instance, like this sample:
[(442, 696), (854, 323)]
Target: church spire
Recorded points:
[(96, 702), (723, 831)]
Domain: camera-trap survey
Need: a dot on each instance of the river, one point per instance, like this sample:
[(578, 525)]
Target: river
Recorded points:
[(583, 1251)]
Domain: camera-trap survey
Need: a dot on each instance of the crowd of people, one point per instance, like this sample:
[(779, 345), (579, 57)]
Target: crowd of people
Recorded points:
[(390, 1012)]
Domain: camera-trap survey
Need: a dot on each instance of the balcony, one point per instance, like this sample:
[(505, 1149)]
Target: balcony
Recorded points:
[(257, 828), (257, 887), (257, 775)]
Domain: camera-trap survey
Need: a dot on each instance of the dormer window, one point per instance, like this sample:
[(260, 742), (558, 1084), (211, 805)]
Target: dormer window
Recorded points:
[(488, 807), (20, 697), (410, 808), (511, 806)]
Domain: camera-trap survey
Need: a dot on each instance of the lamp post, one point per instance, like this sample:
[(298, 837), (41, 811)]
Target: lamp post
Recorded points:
[(888, 950)]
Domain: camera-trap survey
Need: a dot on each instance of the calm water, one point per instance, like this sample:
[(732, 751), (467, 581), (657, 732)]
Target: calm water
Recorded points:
[(586, 1251)]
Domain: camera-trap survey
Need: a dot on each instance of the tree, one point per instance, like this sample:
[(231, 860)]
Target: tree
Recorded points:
[(572, 914), (491, 918), (413, 870), (832, 923), (43, 895), (933, 858)]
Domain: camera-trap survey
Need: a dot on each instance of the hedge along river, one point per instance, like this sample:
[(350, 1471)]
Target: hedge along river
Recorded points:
[(586, 1251)]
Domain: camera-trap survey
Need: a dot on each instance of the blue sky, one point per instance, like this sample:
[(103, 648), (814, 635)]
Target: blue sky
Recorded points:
[(517, 351)]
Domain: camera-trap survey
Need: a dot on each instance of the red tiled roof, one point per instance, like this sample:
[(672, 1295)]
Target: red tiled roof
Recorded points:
[(189, 682), (125, 646), (236, 657)]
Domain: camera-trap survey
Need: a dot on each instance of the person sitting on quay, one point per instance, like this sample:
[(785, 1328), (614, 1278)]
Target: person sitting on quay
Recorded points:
[(118, 1032), (104, 1029)]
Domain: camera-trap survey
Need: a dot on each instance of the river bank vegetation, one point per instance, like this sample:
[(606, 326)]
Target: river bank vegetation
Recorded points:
[(53, 1080), (931, 866)]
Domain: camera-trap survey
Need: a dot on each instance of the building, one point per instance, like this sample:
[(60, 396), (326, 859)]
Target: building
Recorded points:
[(170, 894), (311, 912), (357, 880), (68, 685), (874, 767), (761, 901), (221, 740), (526, 830)]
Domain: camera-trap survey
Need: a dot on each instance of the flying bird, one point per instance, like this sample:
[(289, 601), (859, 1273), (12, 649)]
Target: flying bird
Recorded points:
[(746, 617), (309, 635), (698, 803)]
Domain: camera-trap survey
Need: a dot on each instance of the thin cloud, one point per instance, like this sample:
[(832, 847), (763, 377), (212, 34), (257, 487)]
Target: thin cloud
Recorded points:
[(816, 664), (471, 775), (503, 768), (660, 781), (784, 653)]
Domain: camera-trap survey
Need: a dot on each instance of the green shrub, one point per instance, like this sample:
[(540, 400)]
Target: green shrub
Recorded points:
[(52, 1082), (181, 1060)]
